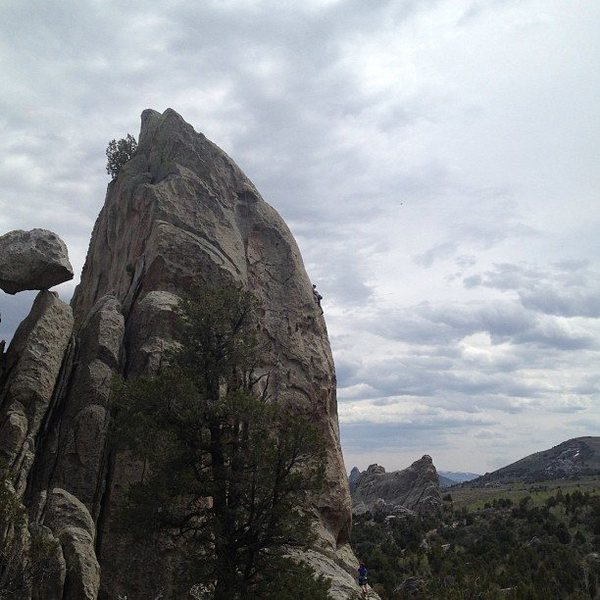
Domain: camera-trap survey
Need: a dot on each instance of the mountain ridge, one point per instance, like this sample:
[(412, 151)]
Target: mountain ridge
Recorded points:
[(576, 457)]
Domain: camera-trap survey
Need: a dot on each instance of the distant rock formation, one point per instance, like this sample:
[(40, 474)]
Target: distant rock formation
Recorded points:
[(179, 213), (413, 490), (578, 457), (32, 260), (353, 478)]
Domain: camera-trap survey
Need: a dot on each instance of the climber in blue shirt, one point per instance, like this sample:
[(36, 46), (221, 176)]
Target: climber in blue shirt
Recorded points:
[(362, 579)]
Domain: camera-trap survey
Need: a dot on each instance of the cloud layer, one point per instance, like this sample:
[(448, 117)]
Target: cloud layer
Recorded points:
[(436, 161)]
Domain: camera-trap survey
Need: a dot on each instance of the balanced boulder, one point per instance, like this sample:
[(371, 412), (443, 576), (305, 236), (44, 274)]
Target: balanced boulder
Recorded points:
[(32, 260)]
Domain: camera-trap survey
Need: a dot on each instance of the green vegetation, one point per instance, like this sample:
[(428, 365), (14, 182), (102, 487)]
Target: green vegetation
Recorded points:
[(226, 468), (519, 551), (17, 573), (118, 153)]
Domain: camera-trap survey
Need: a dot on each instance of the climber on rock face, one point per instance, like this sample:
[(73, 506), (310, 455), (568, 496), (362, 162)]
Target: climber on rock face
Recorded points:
[(2, 347), (317, 296), (362, 580)]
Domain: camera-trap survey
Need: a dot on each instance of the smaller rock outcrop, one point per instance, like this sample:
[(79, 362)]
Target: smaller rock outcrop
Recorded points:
[(71, 523), (32, 260), (411, 587), (32, 366), (415, 489)]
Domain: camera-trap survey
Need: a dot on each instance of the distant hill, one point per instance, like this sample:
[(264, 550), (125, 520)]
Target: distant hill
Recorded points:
[(578, 457), (448, 478)]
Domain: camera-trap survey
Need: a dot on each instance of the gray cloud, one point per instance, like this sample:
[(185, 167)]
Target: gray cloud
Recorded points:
[(504, 321), (440, 251), (567, 288), (427, 436)]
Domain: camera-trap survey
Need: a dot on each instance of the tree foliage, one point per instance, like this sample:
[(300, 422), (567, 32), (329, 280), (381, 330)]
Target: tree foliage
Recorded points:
[(118, 153), (505, 550), (228, 468)]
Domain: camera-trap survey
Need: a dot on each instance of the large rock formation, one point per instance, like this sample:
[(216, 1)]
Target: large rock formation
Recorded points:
[(32, 260), (179, 213), (415, 489)]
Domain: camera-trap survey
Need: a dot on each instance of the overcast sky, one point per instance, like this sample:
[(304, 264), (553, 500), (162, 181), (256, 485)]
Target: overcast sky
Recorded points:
[(437, 161)]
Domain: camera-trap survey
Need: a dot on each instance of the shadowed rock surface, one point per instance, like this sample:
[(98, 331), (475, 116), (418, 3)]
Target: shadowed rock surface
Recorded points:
[(179, 213), (415, 489), (32, 260)]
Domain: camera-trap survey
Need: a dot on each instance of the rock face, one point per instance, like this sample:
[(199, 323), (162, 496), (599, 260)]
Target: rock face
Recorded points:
[(32, 260), (179, 213), (415, 489)]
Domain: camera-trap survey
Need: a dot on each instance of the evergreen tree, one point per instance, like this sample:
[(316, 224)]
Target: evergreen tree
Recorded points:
[(228, 468), (118, 153)]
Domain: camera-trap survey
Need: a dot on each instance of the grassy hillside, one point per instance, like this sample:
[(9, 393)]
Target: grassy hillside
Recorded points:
[(475, 498)]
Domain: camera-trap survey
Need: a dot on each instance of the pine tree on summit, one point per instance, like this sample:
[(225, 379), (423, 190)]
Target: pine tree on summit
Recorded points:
[(229, 469), (118, 153)]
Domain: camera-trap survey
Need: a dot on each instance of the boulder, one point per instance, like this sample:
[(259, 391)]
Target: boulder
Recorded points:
[(339, 568), (49, 579), (182, 213), (411, 587), (32, 260), (152, 329), (77, 441)]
